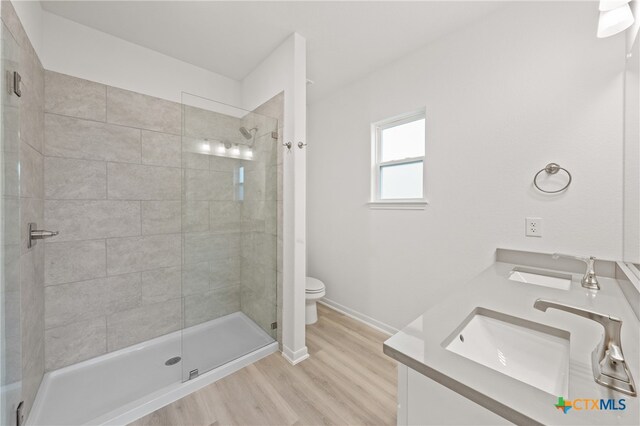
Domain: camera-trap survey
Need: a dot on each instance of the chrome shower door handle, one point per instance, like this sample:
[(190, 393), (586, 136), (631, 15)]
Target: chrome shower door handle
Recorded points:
[(38, 234)]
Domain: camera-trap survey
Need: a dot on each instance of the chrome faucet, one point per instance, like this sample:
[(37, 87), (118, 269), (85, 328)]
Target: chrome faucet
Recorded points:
[(607, 360), (589, 280)]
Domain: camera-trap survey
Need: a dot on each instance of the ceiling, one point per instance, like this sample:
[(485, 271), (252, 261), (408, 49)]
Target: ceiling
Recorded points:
[(345, 40)]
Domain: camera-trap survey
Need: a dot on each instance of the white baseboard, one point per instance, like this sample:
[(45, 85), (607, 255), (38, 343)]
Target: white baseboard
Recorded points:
[(365, 319), (295, 357)]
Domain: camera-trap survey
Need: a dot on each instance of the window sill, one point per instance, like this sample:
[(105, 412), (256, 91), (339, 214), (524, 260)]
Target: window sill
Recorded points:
[(398, 205)]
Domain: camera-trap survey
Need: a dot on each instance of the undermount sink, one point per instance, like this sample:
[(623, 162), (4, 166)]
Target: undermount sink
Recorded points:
[(539, 277), (532, 353)]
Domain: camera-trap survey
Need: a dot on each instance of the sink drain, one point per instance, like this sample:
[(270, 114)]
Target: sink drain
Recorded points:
[(173, 361)]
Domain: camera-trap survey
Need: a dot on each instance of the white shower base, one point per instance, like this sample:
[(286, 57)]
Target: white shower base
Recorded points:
[(122, 386)]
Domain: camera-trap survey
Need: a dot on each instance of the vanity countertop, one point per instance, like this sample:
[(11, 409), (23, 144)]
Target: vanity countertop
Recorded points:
[(419, 346)]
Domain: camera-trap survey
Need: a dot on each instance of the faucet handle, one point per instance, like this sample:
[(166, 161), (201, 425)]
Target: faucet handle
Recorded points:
[(589, 280), (607, 360), (615, 353)]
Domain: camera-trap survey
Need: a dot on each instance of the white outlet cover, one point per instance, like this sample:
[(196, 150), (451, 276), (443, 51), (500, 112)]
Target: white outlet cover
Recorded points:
[(533, 227)]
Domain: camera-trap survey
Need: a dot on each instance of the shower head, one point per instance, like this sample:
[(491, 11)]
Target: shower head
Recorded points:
[(247, 133)]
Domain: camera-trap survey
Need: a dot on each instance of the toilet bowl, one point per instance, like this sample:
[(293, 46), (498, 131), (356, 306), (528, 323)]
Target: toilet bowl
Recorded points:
[(314, 291)]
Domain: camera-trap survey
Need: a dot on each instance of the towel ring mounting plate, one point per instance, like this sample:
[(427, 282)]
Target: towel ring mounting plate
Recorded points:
[(552, 169)]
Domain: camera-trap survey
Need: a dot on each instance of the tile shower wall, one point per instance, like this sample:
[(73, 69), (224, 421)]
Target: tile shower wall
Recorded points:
[(113, 190), (151, 231), (30, 146)]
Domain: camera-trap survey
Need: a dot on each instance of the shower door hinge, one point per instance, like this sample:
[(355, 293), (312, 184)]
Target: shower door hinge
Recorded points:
[(193, 374), (20, 414), (274, 325), (274, 135), (17, 84)]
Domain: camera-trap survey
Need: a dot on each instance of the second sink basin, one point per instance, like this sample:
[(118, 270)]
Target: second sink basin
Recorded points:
[(539, 277), (532, 353)]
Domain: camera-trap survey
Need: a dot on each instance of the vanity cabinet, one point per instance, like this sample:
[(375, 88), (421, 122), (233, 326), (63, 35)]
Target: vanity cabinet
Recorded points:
[(422, 401)]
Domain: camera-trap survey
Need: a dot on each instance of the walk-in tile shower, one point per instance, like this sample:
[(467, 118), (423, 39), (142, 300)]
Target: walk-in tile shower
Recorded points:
[(164, 273)]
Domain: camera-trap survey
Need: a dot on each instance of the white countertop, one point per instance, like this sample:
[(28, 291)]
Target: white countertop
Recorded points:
[(419, 346)]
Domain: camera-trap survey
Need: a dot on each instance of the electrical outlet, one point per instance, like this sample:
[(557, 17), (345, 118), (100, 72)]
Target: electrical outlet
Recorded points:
[(533, 227)]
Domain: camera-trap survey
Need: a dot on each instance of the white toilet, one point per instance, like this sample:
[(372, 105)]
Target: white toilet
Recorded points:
[(314, 291)]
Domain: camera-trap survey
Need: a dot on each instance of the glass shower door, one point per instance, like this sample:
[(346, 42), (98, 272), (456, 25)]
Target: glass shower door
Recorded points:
[(10, 332), (229, 233)]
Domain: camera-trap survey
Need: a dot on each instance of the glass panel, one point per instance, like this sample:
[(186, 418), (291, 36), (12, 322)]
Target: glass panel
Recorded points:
[(401, 181), (11, 346), (403, 141), (229, 232)]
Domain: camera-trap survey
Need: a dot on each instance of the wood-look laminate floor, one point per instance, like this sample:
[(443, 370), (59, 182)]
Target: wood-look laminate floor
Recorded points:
[(346, 381)]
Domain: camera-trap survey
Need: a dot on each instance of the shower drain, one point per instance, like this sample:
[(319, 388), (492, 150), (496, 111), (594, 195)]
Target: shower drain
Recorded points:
[(173, 361)]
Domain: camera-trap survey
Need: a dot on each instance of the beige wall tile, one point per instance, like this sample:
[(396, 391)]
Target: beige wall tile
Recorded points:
[(75, 342), (227, 300), (225, 216), (273, 108), (225, 272), (74, 261), (161, 217), (201, 123), (223, 164), (86, 220), (75, 97), (195, 278), (146, 322), (213, 304), (32, 108), (195, 216), (204, 247), (191, 160), (145, 112), (136, 182), (32, 324), (160, 149), (123, 292), (68, 179), (75, 302), (222, 186), (31, 172), (199, 308), (161, 284), (90, 140), (197, 185), (126, 255)]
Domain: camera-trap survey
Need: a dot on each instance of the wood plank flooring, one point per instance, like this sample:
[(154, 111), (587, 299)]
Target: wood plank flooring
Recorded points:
[(346, 381)]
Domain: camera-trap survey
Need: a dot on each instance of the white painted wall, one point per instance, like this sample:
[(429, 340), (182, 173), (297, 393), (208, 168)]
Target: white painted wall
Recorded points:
[(31, 16), (84, 52), (632, 154), (285, 69), (528, 85), (632, 32)]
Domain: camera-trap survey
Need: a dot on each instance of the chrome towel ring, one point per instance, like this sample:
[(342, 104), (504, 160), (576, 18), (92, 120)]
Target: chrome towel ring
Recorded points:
[(552, 169)]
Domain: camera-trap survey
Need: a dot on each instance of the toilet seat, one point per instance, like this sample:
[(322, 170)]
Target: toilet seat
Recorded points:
[(314, 285), (314, 291)]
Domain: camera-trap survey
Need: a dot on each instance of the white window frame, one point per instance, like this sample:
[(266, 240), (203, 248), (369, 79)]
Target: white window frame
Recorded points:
[(376, 201)]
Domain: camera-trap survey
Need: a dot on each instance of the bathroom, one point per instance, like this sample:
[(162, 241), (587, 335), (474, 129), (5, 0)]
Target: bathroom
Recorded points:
[(230, 212)]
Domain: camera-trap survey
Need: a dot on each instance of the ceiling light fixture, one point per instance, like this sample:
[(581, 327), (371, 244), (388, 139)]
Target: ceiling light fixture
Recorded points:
[(615, 17)]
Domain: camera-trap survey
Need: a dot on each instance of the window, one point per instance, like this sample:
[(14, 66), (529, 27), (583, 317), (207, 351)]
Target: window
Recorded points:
[(398, 146)]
